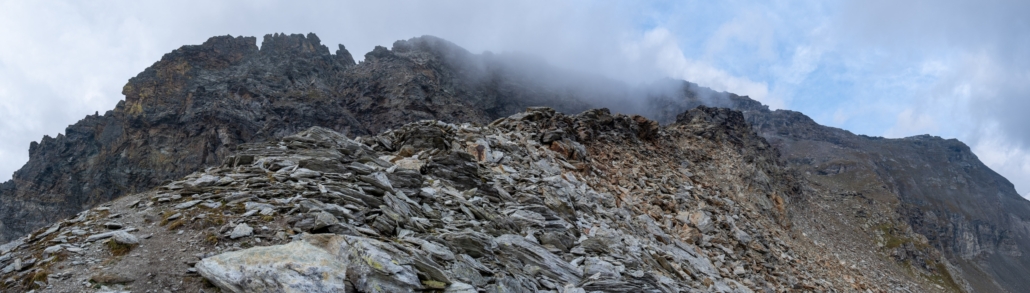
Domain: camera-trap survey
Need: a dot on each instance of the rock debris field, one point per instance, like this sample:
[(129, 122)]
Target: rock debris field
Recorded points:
[(536, 202)]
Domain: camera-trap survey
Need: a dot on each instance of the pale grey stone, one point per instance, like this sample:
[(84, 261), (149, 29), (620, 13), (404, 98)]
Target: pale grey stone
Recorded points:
[(53, 249), (174, 217), (122, 237), (378, 180), (204, 181), (187, 204), (257, 206), (524, 251), (212, 204), (294, 267), (241, 230), (106, 235), (596, 266), (315, 263), (459, 287), (305, 173)]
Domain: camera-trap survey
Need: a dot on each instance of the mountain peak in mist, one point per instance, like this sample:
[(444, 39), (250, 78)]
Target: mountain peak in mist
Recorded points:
[(922, 205)]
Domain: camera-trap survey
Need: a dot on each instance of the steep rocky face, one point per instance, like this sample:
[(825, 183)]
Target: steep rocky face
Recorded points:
[(535, 202), (178, 115)]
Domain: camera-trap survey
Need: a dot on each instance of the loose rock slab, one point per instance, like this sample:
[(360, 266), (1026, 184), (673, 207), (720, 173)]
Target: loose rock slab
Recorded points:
[(241, 230), (294, 267), (122, 237), (316, 263)]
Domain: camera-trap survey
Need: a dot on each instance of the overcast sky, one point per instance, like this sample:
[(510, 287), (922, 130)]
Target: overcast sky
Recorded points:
[(956, 69)]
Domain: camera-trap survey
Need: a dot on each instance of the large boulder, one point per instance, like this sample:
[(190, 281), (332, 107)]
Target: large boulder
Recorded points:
[(294, 267), (316, 263)]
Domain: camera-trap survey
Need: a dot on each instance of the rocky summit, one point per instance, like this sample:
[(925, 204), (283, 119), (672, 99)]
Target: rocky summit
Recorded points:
[(424, 167)]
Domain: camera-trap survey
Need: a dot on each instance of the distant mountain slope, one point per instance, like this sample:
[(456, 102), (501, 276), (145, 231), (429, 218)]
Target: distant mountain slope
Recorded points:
[(194, 106), (945, 193)]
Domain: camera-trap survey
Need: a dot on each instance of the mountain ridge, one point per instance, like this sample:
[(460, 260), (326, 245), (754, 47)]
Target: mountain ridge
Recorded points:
[(194, 106)]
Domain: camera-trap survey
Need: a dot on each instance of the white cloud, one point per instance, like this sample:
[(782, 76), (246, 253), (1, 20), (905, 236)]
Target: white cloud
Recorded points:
[(790, 76), (933, 68), (1002, 156), (659, 46), (986, 99), (749, 27), (973, 73), (972, 96), (910, 122), (59, 63), (802, 63), (840, 116)]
